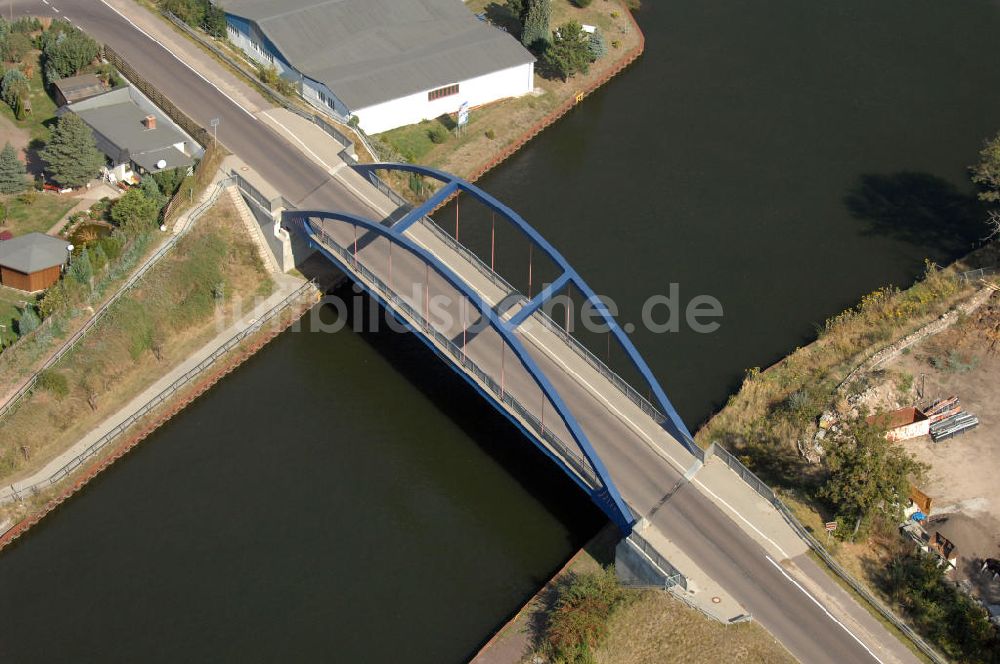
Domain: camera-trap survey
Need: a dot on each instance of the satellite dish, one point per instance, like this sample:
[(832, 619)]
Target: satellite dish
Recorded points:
[(161, 164)]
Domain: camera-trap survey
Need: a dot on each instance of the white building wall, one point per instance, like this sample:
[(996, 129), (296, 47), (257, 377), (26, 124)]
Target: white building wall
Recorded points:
[(411, 109)]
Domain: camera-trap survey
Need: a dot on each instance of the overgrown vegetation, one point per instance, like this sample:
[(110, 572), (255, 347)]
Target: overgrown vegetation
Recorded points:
[(169, 313), (939, 610), (66, 50), (867, 475), (198, 14), (578, 623)]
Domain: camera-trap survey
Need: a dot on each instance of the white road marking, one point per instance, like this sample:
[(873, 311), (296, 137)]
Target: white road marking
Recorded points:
[(330, 169), (742, 518), (176, 57), (583, 381), (823, 608)]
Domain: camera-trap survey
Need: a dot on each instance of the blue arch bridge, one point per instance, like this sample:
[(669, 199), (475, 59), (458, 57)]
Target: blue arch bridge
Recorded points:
[(632, 455), (570, 404)]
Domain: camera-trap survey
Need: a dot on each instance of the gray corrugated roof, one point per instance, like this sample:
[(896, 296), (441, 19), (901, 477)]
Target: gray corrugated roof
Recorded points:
[(371, 51), (33, 252)]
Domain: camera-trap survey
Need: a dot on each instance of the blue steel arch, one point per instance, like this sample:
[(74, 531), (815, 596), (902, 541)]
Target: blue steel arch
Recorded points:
[(673, 423), (608, 497)]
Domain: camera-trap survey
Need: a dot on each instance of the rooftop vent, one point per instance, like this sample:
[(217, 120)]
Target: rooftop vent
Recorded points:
[(149, 122)]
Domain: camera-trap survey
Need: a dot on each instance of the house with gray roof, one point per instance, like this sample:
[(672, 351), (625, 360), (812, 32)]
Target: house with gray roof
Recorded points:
[(388, 62), (134, 134), (32, 262)]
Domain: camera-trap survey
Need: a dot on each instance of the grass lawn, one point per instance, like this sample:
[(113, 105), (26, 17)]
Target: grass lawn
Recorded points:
[(43, 108), (10, 303), (493, 127), (39, 215)]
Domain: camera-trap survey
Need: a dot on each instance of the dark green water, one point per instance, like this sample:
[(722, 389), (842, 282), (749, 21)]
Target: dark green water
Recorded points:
[(344, 497)]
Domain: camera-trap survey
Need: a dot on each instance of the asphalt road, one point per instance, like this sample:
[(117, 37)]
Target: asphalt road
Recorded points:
[(693, 522), (650, 484)]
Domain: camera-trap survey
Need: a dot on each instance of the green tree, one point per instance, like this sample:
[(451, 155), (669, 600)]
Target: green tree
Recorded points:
[(867, 473), (569, 51), (13, 85), (151, 189), (598, 47), (987, 172), (12, 171), (535, 25), (214, 21), (71, 154), (82, 270), (68, 51), (518, 9), (135, 211), (28, 322)]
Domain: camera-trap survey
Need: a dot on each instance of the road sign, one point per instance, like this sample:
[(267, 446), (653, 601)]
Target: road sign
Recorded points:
[(463, 114), (831, 526)]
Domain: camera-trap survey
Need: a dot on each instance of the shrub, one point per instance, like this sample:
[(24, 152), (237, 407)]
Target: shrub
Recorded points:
[(490, 134), (54, 382), (28, 322), (598, 47), (82, 270), (438, 134), (66, 50), (14, 84), (26, 25), (579, 621), (582, 3), (15, 46)]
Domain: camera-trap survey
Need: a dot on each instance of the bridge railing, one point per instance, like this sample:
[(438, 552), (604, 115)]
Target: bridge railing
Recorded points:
[(674, 576), (620, 383), (764, 490), (573, 458), (613, 377)]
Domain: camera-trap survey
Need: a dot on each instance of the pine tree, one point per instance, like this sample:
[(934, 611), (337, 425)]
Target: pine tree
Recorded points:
[(71, 154), (11, 171), (535, 30)]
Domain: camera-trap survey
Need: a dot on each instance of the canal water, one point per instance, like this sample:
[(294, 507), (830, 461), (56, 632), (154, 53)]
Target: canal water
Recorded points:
[(345, 497)]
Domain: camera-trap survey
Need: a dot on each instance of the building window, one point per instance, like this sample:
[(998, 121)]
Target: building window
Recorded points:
[(446, 91)]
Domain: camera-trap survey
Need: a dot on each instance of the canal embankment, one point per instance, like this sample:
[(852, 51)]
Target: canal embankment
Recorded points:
[(210, 303)]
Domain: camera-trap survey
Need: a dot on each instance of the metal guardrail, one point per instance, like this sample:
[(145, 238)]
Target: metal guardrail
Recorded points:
[(573, 458), (981, 273), (251, 191), (315, 118), (674, 575), (159, 399), (67, 347), (764, 490)]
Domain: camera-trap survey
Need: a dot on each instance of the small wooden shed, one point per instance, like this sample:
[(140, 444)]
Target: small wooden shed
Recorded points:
[(32, 262)]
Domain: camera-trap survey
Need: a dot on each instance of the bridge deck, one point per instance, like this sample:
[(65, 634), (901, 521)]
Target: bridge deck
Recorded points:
[(646, 462)]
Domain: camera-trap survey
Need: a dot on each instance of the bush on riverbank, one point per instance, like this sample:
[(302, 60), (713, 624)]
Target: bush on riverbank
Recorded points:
[(578, 624)]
